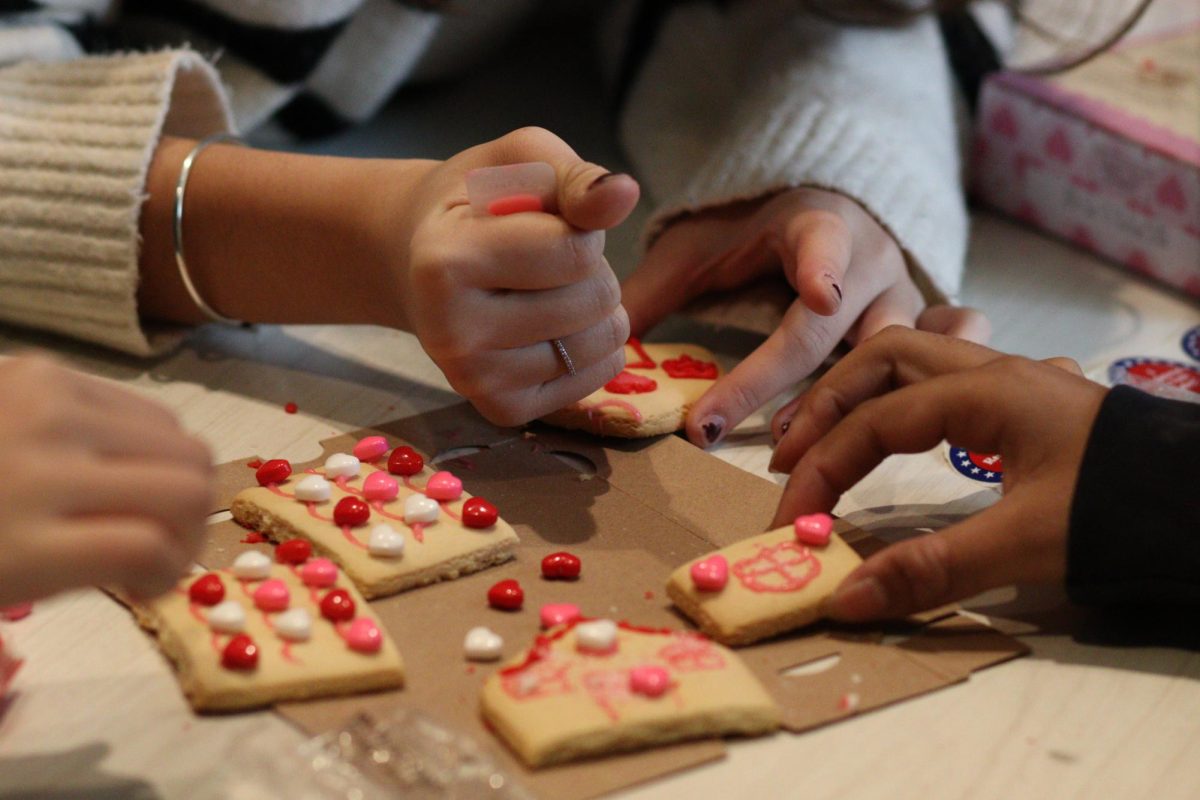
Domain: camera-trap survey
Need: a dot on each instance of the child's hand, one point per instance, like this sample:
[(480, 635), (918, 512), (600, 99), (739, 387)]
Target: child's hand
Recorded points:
[(848, 271), (486, 295), (97, 486), (903, 392)]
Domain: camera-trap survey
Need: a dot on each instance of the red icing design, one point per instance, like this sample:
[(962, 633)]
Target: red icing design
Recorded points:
[(207, 590), (687, 367), (1170, 194), (337, 606), (255, 464), (785, 567), (293, 551), (478, 513), (1059, 146), (506, 595), (253, 537), (561, 565), (277, 470), (628, 383), (691, 653), (241, 653), (405, 461), (541, 679), (351, 512), (645, 361), (608, 688), (1004, 122)]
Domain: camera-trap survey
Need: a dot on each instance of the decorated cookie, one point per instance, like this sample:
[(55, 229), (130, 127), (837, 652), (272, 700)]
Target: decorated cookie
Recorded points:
[(621, 687), (651, 396), (766, 584), (241, 643), (390, 522)]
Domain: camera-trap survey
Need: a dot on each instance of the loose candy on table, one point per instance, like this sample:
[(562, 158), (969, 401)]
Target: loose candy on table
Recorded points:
[(420, 509), (443, 486), (711, 574), (561, 566), (319, 573), (251, 566), (479, 513), (506, 595), (341, 465), (813, 529), (385, 542), (277, 470), (350, 512), (313, 489), (482, 644), (596, 636), (227, 616), (558, 614), (370, 448), (293, 551), (405, 461), (207, 590)]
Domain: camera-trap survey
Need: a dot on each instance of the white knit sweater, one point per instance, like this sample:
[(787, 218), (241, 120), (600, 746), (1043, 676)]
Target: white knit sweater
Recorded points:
[(728, 104)]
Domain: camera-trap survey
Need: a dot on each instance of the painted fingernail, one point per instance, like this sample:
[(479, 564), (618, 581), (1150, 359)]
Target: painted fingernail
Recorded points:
[(784, 427), (863, 599), (713, 427), (602, 179), (837, 290)]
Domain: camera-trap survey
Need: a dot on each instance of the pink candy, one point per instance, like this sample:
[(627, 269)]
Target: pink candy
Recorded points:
[(380, 486), (559, 614), (370, 448), (319, 572), (16, 612), (649, 681), (272, 595), (364, 636), (711, 574), (443, 486), (814, 529)]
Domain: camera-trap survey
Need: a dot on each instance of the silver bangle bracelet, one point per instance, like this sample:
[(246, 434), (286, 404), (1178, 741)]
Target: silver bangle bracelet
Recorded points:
[(180, 188)]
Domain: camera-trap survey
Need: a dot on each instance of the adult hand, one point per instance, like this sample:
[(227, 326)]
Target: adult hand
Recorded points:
[(486, 295), (97, 486), (903, 392), (848, 271)]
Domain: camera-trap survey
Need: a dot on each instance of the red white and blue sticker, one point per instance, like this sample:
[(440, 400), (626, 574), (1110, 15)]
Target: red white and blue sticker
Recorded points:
[(1191, 343), (1158, 376), (982, 467)]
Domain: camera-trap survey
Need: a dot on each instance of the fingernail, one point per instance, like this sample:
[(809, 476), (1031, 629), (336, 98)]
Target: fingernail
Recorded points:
[(713, 427), (837, 290), (784, 427), (602, 179), (861, 600)]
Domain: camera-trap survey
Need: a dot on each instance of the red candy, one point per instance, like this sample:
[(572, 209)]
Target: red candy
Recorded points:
[(479, 513), (687, 367), (351, 512), (207, 590), (240, 653), (276, 470), (405, 461), (337, 606), (563, 565), (629, 383), (506, 595), (293, 551), (291, 408)]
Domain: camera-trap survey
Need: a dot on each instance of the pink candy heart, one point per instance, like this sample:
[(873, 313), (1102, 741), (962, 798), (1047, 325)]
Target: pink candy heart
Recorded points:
[(711, 574), (364, 635), (559, 614), (443, 486), (319, 572), (649, 681), (814, 529), (370, 448), (380, 486), (272, 595)]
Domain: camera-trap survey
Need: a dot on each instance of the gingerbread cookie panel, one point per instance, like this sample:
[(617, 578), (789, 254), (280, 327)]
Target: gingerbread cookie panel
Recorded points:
[(651, 396), (764, 585), (591, 687)]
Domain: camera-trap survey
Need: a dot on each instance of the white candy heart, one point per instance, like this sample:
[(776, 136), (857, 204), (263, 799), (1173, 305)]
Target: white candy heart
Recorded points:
[(385, 541), (313, 489), (227, 617), (294, 624), (482, 644), (252, 566), (419, 508), (597, 636), (341, 465)]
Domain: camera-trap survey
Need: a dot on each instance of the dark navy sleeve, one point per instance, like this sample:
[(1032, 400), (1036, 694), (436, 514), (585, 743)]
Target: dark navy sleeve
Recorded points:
[(1135, 518)]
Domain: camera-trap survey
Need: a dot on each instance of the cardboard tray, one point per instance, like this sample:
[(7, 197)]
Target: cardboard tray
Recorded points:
[(649, 506)]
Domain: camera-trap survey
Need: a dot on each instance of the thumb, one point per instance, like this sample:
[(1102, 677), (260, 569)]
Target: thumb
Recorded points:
[(592, 198)]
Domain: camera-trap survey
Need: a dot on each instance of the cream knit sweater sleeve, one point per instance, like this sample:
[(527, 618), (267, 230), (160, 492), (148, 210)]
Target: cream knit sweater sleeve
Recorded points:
[(76, 139), (738, 103)]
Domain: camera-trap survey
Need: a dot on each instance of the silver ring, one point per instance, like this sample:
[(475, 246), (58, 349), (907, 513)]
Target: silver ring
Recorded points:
[(564, 355)]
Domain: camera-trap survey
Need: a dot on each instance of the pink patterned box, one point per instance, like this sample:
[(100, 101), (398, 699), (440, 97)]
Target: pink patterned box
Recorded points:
[(1106, 155)]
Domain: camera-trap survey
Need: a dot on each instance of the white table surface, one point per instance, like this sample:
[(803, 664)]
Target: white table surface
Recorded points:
[(96, 710)]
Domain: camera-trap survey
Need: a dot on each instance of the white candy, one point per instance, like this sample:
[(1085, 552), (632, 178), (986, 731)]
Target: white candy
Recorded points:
[(419, 508), (227, 617), (482, 644), (597, 636), (341, 465), (385, 541), (252, 566), (294, 624), (313, 489)]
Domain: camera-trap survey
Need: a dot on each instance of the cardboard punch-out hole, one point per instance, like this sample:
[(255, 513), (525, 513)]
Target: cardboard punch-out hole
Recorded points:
[(814, 667), (457, 453), (581, 464)]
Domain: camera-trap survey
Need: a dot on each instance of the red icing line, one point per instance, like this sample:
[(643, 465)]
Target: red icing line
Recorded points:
[(255, 464), (646, 361), (215, 639), (628, 383), (340, 482), (253, 537), (418, 529), (687, 367), (770, 570), (445, 504), (541, 644), (291, 408), (312, 509), (378, 506), (274, 488), (349, 534), (408, 482), (287, 653), (195, 609)]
